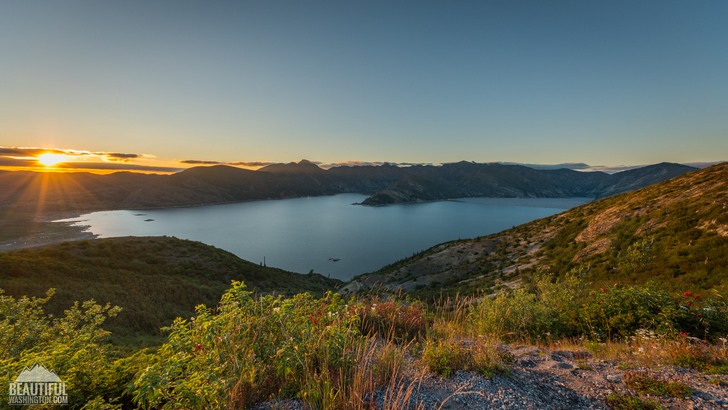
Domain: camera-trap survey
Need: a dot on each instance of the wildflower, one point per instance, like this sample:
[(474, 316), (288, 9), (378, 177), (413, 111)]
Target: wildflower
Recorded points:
[(688, 294), (683, 334), (699, 315), (697, 297), (603, 290), (198, 347)]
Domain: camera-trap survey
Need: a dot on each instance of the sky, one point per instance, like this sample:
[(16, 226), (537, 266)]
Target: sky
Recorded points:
[(163, 85)]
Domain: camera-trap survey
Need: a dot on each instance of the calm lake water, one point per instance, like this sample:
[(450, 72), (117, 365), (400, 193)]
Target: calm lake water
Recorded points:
[(305, 234)]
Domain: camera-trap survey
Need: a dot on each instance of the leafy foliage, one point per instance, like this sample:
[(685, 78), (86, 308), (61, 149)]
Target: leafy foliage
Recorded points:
[(249, 350), (72, 345)]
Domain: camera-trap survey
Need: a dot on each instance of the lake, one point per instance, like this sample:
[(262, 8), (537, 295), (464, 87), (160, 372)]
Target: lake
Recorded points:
[(329, 234)]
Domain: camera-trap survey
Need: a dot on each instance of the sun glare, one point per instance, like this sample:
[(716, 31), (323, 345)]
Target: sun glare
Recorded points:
[(50, 160)]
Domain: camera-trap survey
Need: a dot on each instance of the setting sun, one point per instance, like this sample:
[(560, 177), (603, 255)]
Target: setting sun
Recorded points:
[(50, 160)]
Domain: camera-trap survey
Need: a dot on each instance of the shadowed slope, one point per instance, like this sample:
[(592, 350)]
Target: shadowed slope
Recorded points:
[(154, 279)]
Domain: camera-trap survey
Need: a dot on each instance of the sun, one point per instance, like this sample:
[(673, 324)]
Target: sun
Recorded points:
[(50, 160)]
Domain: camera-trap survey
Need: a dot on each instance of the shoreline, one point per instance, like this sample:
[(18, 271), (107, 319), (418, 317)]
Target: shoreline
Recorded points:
[(52, 233)]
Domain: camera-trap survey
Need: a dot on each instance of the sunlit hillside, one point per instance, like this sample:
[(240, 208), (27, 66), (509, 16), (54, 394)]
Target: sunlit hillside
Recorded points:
[(674, 234)]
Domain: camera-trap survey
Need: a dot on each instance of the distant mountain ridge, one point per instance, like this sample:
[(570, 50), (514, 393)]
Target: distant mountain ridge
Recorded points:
[(387, 184), (466, 179)]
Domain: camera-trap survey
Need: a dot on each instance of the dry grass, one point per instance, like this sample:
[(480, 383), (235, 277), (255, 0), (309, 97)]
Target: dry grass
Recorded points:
[(650, 351)]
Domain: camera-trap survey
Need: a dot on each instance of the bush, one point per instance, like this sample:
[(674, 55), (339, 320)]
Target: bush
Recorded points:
[(618, 312), (73, 346), (445, 356), (643, 382), (563, 308), (249, 350), (549, 310)]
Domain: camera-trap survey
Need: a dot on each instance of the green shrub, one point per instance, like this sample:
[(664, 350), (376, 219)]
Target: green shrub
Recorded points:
[(548, 310), (618, 401), (249, 350), (643, 382), (445, 357), (620, 311), (73, 346), (563, 308), (703, 317)]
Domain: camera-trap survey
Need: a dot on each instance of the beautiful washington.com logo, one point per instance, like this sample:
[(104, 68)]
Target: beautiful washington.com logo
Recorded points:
[(37, 385)]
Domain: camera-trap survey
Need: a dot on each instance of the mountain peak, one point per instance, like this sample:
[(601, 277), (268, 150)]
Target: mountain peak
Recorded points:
[(303, 166)]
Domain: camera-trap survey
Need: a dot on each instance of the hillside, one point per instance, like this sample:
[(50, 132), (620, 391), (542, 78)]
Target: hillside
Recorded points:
[(153, 279), (674, 233)]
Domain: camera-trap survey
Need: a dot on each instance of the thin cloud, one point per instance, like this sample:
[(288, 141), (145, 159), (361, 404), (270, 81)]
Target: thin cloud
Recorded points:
[(411, 164), (28, 151), (16, 162), (358, 164), (118, 156), (610, 169), (114, 166), (199, 162), (251, 164)]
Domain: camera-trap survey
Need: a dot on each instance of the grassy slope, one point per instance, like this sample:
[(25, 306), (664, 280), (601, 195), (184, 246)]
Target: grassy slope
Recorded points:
[(154, 279), (674, 233)]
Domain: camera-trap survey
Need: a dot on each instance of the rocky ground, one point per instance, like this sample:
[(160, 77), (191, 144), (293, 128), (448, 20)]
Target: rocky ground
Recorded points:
[(559, 379), (541, 378)]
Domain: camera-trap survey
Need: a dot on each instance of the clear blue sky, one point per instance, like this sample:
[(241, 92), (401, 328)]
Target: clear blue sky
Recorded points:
[(610, 82)]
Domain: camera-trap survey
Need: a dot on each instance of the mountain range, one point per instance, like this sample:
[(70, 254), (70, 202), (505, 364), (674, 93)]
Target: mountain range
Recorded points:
[(38, 193)]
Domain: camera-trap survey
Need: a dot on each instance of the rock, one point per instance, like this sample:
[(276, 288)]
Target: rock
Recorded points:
[(560, 355), (352, 288), (614, 378)]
